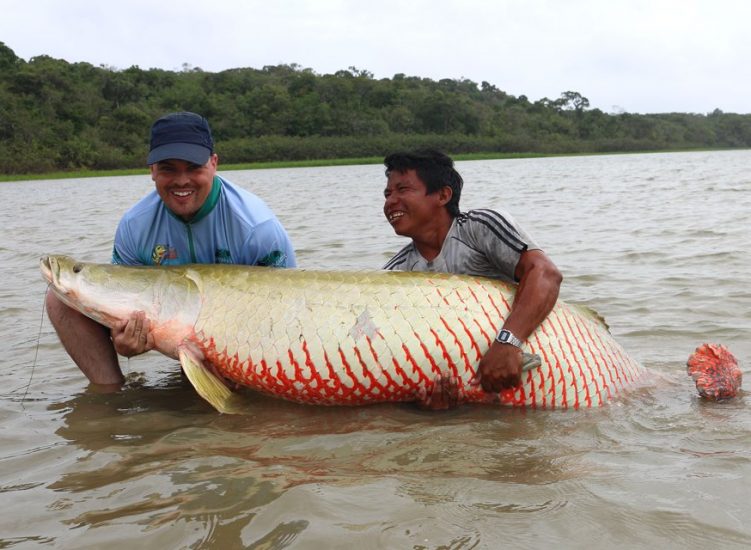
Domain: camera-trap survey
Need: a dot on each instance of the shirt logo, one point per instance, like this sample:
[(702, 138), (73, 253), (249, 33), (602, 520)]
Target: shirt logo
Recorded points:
[(161, 253), (276, 258), (222, 256)]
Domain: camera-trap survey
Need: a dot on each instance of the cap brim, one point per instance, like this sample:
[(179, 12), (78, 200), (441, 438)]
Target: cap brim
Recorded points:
[(190, 152)]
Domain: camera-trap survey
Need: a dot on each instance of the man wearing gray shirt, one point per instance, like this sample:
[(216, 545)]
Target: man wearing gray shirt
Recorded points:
[(422, 202)]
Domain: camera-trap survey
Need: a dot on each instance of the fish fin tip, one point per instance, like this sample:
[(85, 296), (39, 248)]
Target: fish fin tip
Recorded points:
[(715, 372), (208, 386)]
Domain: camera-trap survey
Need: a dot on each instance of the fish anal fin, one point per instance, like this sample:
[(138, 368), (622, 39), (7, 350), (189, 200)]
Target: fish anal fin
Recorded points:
[(208, 386), (715, 371)]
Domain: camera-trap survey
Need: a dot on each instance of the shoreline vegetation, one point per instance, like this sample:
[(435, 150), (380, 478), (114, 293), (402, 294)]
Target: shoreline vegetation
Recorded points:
[(63, 120), (73, 174), (254, 166)]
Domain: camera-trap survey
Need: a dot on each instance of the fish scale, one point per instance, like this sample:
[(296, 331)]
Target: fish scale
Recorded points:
[(350, 338)]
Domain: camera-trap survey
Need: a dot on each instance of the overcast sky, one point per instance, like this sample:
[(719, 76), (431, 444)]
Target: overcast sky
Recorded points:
[(639, 56)]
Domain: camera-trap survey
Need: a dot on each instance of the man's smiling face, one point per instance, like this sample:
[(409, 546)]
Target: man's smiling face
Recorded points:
[(182, 185), (408, 207)]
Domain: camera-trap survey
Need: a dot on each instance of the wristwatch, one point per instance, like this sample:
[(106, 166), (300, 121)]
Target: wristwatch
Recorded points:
[(507, 337)]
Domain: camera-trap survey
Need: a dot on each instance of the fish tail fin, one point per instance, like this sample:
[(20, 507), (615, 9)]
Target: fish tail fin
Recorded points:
[(715, 371), (208, 386)]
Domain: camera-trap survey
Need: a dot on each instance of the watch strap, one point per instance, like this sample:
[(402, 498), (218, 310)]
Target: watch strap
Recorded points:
[(507, 337)]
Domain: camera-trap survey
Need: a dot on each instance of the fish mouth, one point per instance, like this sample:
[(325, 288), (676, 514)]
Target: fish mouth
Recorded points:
[(46, 267), (52, 267), (54, 270)]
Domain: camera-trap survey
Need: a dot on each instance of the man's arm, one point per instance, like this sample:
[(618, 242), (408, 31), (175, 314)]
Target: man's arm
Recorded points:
[(539, 284)]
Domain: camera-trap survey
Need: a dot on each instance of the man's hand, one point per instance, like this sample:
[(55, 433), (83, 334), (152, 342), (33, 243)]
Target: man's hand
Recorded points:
[(133, 336), (443, 395), (500, 368)]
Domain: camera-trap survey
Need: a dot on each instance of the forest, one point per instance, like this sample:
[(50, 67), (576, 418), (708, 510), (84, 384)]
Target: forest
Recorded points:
[(60, 116)]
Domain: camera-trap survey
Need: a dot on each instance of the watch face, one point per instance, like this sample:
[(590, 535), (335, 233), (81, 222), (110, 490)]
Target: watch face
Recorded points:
[(506, 337)]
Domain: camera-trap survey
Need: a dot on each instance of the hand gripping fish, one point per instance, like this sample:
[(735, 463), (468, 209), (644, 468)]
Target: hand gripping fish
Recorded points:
[(349, 338)]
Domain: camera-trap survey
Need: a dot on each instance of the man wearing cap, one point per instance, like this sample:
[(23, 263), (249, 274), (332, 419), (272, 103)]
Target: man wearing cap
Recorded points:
[(193, 216)]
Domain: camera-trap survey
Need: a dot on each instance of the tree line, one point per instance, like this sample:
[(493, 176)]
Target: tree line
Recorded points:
[(56, 115)]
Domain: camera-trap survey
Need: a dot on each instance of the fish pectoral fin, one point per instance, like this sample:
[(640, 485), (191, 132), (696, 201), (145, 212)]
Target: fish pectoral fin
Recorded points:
[(208, 386)]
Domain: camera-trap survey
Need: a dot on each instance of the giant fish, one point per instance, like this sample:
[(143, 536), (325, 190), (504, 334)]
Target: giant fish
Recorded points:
[(345, 338)]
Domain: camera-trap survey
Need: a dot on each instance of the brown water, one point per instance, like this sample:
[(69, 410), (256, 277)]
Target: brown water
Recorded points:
[(658, 244)]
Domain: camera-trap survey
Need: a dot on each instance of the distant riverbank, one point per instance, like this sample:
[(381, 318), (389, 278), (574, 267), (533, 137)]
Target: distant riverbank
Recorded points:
[(305, 164), (252, 166)]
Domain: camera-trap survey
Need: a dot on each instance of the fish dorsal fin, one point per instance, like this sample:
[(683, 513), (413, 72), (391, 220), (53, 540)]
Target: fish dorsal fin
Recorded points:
[(207, 385), (589, 313)]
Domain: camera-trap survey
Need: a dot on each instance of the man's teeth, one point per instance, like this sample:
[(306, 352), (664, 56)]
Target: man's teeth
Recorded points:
[(182, 193), (395, 216)]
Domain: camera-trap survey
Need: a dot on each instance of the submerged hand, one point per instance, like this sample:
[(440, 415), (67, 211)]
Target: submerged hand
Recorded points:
[(443, 395), (500, 368), (133, 336)]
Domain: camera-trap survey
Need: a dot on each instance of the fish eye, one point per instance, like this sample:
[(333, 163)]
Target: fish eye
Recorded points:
[(77, 268)]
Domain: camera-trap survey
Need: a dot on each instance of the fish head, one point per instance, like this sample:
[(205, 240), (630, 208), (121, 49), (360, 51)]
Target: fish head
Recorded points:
[(110, 293)]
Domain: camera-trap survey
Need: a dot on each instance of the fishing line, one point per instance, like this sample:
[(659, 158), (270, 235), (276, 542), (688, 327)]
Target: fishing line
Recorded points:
[(36, 349)]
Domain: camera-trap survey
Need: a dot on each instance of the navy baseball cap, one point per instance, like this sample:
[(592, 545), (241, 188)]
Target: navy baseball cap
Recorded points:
[(184, 136)]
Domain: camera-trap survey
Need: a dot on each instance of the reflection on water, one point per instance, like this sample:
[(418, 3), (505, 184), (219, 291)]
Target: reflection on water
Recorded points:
[(656, 243)]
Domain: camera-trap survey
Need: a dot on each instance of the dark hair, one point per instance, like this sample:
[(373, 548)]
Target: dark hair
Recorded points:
[(434, 168)]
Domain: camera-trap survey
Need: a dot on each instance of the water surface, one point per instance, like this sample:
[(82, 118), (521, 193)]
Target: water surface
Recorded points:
[(658, 244)]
